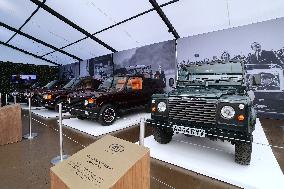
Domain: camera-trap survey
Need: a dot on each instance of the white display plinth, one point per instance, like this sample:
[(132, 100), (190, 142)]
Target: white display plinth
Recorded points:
[(215, 159), (94, 128), (24, 106), (49, 114)]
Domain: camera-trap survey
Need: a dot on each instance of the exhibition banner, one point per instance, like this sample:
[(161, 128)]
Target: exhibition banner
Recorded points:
[(258, 45), (155, 61)]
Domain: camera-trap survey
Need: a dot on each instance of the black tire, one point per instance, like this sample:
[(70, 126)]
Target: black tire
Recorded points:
[(243, 152), (163, 135), (81, 117), (56, 108), (148, 106), (107, 115)]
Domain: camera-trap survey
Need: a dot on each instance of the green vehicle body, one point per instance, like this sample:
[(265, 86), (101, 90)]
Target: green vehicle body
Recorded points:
[(194, 106)]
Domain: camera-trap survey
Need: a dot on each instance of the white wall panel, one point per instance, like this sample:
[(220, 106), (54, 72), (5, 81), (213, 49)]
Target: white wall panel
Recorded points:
[(29, 45), (5, 34), (243, 12), (87, 49), (8, 54), (50, 29), (15, 12), (191, 17)]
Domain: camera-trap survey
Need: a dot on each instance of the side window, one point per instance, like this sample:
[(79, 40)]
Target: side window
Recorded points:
[(135, 83), (88, 84), (120, 84)]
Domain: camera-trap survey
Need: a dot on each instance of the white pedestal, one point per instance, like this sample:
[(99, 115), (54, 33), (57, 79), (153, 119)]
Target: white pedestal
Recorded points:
[(215, 159), (94, 128), (49, 114)]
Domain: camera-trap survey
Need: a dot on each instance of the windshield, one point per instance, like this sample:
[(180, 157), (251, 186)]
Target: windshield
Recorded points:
[(35, 85), (217, 73), (50, 84), (72, 83), (106, 84), (116, 84)]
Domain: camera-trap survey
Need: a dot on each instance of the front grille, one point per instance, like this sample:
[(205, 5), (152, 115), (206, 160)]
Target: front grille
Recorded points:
[(193, 110)]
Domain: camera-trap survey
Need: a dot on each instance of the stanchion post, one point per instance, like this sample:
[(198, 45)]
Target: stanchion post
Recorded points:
[(15, 99), (6, 100), (0, 99), (61, 157), (30, 135), (142, 131)]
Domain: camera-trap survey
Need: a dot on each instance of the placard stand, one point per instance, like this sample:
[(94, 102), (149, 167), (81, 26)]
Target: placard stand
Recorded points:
[(30, 135), (61, 157)]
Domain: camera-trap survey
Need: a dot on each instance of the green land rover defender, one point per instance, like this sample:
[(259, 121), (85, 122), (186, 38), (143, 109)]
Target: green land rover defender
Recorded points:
[(209, 100)]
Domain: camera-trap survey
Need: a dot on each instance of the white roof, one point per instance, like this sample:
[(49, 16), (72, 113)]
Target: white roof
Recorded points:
[(110, 21)]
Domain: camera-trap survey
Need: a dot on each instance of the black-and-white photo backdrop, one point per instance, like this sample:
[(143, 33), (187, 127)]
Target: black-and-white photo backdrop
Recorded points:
[(154, 61), (260, 46), (69, 71)]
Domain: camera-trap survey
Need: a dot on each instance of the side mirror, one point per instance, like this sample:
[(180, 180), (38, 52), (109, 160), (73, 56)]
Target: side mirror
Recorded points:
[(256, 79), (171, 82)]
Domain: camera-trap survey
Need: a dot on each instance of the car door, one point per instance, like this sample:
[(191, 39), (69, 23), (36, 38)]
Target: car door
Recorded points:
[(134, 88)]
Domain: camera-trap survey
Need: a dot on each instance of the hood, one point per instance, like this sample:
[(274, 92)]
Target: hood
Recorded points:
[(57, 92), (211, 93), (88, 93), (199, 92)]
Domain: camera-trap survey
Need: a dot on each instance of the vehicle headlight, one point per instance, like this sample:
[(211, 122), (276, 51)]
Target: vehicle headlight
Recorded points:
[(15, 93), (86, 102), (228, 112), (45, 96), (241, 106), (162, 106)]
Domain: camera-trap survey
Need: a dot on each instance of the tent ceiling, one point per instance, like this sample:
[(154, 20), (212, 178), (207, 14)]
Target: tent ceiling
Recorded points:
[(5, 34), (137, 32), (29, 45), (50, 29), (87, 49), (11, 55), (122, 24), (15, 12)]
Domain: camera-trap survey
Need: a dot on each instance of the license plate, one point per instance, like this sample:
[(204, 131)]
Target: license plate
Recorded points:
[(46, 105), (86, 113), (189, 131)]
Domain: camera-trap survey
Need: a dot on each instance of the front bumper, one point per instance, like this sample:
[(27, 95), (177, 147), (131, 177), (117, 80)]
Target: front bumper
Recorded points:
[(212, 131), (49, 104), (83, 112)]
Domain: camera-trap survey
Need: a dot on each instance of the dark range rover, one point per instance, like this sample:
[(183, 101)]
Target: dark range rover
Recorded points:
[(52, 98), (21, 91), (37, 94), (210, 100), (113, 96)]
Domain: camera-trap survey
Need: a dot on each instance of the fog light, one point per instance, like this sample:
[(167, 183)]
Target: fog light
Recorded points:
[(241, 117)]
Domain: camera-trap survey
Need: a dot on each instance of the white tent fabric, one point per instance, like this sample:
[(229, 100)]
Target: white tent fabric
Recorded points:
[(11, 55), (188, 17)]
